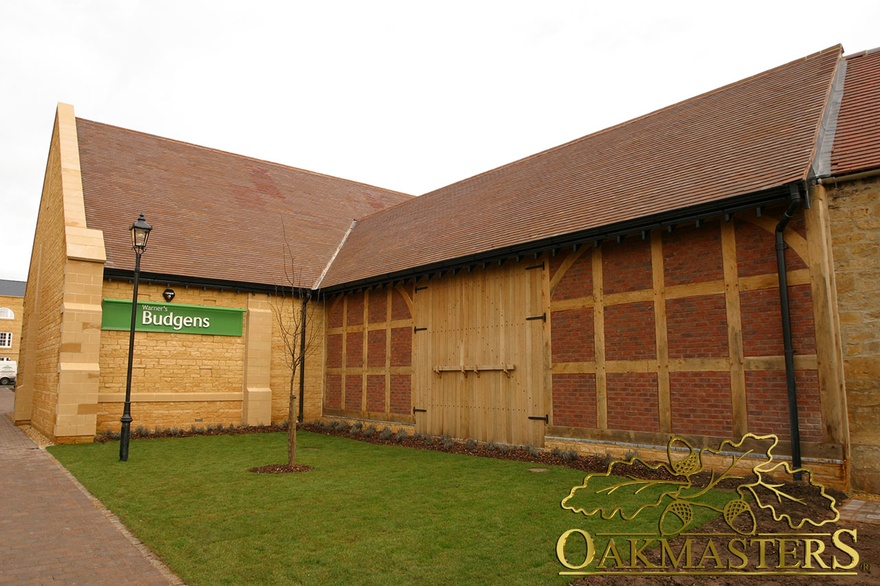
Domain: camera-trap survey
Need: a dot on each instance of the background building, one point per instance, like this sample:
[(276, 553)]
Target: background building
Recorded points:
[(11, 305)]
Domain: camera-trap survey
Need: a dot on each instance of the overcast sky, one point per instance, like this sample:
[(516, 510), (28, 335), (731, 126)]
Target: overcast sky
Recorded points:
[(405, 95)]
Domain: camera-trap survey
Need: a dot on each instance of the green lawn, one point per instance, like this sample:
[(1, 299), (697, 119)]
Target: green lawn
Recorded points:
[(366, 514)]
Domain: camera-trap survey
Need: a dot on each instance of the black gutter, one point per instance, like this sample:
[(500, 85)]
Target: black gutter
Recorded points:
[(795, 202), (217, 284)]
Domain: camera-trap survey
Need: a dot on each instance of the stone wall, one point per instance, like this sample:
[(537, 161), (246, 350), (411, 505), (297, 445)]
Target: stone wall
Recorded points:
[(184, 380), (178, 380), (855, 228), (57, 387)]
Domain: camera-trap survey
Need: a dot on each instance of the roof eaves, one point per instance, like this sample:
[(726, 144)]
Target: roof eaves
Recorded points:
[(169, 280), (724, 209), (862, 53)]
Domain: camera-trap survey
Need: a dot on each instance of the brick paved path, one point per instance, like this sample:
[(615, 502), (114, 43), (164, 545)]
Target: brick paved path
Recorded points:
[(859, 510), (52, 531)]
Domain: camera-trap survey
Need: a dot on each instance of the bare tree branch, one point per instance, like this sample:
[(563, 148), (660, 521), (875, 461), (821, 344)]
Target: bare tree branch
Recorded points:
[(295, 308)]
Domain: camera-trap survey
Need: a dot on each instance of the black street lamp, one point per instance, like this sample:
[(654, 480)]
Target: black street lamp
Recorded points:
[(140, 233)]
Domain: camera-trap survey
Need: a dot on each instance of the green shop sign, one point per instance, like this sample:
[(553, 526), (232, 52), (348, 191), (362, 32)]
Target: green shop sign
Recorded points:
[(155, 316)]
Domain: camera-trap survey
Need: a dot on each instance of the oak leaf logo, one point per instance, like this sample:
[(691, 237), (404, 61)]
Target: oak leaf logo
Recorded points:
[(629, 488)]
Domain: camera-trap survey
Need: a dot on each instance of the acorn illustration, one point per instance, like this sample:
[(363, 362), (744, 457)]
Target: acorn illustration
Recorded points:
[(676, 517), (739, 516), (688, 465)]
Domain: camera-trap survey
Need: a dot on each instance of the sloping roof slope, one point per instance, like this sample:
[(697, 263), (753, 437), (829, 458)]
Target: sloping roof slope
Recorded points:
[(749, 136), (856, 147), (12, 288), (215, 215)]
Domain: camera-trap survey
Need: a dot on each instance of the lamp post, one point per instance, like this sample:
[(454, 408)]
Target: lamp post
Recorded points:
[(140, 233)]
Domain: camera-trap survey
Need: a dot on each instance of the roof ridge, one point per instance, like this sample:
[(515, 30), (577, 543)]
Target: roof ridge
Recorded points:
[(238, 156), (864, 53)]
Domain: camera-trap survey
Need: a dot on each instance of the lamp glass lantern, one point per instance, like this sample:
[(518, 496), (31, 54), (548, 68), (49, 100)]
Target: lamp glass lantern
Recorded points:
[(140, 233)]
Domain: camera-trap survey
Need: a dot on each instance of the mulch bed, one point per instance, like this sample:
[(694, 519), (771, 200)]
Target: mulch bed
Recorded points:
[(280, 469), (142, 433), (480, 449)]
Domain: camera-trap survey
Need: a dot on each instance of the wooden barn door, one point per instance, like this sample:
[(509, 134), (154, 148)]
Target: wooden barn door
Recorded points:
[(481, 355)]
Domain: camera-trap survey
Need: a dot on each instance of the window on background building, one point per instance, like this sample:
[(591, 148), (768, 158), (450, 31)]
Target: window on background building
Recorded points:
[(5, 339), (6, 313)]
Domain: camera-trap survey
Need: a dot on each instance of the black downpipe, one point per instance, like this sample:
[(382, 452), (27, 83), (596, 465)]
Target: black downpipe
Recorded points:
[(302, 355), (784, 303)]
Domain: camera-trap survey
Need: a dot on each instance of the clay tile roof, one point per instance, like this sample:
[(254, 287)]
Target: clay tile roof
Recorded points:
[(856, 147), (215, 215), (749, 136)]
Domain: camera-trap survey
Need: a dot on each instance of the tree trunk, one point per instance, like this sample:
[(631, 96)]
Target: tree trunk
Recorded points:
[(291, 422)]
